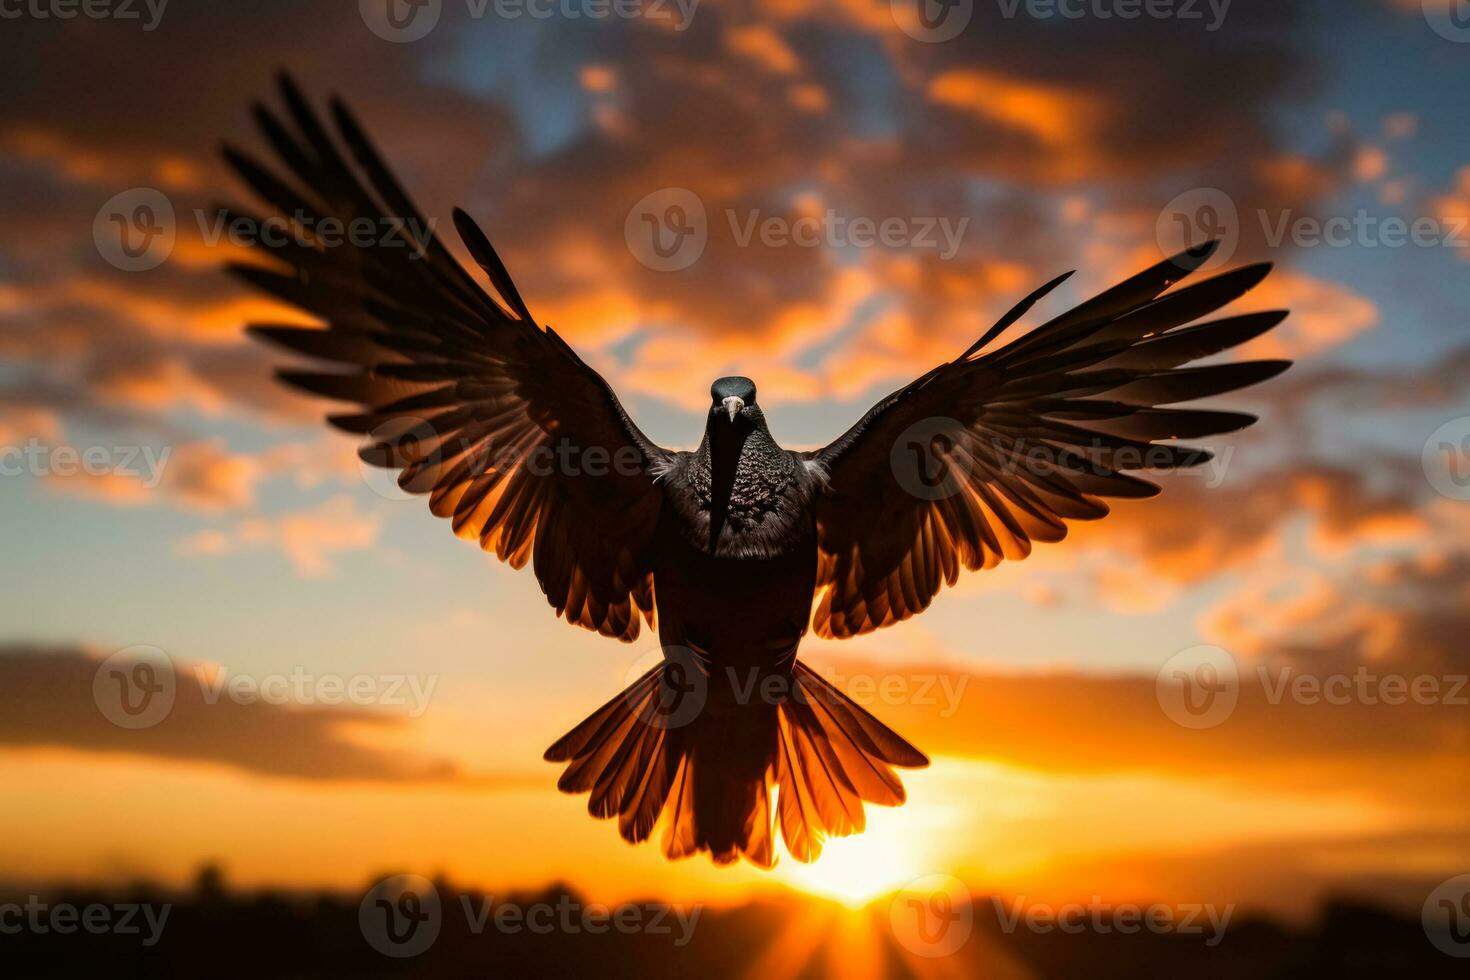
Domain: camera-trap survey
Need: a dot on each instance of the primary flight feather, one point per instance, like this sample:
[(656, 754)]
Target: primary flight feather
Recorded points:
[(728, 549)]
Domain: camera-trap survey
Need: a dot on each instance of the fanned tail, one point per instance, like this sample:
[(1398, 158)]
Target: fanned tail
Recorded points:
[(834, 757), (706, 776)]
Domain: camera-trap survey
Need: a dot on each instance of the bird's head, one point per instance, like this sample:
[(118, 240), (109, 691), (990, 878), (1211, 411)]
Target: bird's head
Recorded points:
[(733, 399)]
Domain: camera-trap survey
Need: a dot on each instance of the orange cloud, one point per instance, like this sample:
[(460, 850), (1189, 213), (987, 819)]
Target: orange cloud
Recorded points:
[(1324, 314), (1452, 208), (308, 538), (1062, 119), (764, 46)]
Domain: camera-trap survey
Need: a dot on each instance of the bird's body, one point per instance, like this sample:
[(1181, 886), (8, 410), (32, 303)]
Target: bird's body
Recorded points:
[(734, 550), (738, 614)]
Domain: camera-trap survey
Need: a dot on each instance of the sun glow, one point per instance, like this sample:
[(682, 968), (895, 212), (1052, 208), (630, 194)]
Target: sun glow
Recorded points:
[(854, 870)]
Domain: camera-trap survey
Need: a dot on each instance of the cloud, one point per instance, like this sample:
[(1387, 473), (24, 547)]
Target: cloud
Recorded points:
[(1066, 723), (1064, 122), (28, 422), (1019, 111), (1403, 607), (1171, 542), (200, 476), (203, 476), (308, 538), (1452, 208), (47, 701)]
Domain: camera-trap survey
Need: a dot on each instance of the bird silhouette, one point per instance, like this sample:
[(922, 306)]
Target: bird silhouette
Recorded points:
[(730, 551)]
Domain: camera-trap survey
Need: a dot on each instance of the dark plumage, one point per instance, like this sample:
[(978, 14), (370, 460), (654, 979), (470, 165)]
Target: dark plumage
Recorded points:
[(725, 549)]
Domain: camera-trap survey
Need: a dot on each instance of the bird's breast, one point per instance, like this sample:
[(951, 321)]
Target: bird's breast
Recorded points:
[(735, 611)]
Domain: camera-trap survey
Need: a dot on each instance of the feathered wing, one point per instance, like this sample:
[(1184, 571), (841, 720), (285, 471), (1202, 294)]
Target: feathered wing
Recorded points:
[(512, 436), (980, 457)]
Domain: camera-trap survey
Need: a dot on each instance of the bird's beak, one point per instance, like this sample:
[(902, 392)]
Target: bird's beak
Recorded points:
[(733, 405)]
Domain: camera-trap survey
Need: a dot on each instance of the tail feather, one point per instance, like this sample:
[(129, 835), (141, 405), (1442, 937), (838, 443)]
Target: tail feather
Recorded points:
[(835, 756), (680, 832), (760, 841), (860, 727), (708, 782), (868, 771), (570, 745), (838, 806), (639, 814)]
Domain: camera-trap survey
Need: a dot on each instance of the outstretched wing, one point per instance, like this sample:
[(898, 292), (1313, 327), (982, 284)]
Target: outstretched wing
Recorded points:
[(980, 457), (510, 434)]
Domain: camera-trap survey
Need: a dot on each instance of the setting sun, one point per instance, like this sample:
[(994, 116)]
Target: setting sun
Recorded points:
[(855, 870)]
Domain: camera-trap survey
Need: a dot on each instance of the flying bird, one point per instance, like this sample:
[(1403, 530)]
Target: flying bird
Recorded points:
[(731, 551)]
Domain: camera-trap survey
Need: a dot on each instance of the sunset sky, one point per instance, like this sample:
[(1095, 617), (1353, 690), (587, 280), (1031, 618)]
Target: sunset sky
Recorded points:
[(1325, 539)]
